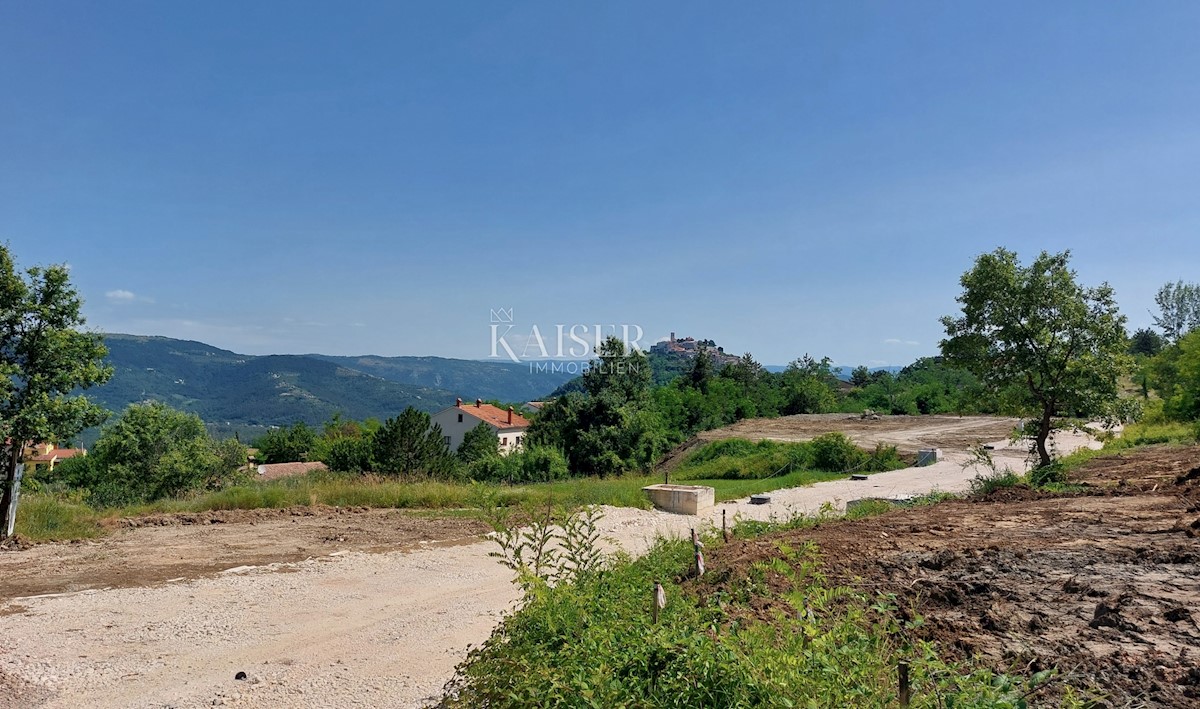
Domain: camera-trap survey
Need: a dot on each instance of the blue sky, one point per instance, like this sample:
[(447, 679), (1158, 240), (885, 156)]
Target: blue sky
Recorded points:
[(784, 178)]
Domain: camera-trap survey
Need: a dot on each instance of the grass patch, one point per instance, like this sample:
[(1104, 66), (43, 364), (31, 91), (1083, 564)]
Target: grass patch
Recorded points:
[(733, 468), (1146, 434), (740, 459), (45, 516), (53, 518)]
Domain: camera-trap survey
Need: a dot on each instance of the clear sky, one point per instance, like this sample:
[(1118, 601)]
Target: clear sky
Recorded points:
[(783, 177)]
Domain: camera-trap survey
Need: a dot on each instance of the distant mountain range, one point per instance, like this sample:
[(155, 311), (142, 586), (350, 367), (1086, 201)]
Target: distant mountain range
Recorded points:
[(247, 393)]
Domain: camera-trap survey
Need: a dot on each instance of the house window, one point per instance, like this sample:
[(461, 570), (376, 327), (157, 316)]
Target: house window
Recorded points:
[(460, 418), (504, 441), (446, 439)]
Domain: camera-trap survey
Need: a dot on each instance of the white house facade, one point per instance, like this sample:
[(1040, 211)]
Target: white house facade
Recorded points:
[(455, 421)]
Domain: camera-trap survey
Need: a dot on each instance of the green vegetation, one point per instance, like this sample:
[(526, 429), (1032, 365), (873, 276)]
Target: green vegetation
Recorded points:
[(248, 395), (45, 359), (739, 459), (593, 642), (1034, 336), (1178, 310), (149, 453), (83, 509), (53, 518)]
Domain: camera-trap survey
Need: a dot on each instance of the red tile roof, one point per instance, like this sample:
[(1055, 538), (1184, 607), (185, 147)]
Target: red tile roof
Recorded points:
[(272, 471), (495, 415), (59, 453)]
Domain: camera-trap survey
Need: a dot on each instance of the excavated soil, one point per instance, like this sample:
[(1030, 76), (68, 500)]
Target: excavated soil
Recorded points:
[(150, 550), (1103, 585)]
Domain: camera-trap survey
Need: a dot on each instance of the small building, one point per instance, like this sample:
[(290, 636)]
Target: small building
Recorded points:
[(44, 456), (455, 421)]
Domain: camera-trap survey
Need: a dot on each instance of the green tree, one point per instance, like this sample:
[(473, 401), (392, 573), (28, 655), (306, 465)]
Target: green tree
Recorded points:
[(479, 442), (1178, 309), (1035, 330), (45, 359), (701, 372), (288, 445), (347, 454), (623, 374), (408, 444), (150, 452), (809, 386), (860, 376), (1175, 373), (1145, 342)]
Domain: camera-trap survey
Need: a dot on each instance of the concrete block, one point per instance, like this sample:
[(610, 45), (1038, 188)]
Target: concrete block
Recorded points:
[(681, 499), (928, 456)]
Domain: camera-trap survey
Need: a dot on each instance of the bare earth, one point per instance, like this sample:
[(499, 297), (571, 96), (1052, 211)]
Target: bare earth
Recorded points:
[(329, 607)]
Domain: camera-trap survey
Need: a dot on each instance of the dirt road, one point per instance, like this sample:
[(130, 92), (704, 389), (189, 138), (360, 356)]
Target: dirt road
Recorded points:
[(908, 433), (333, 608)]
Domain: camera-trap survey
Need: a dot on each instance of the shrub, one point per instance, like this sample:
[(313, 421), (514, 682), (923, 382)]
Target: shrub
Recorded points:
[(835, 452), (987, 484), (739, 459), (1053, 474), (531, 465), (348, 455)]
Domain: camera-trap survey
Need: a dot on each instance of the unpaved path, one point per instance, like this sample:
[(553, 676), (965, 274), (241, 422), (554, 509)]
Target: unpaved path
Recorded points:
[(328, 611)]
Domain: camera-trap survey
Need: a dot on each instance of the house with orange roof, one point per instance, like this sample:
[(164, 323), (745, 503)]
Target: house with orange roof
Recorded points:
[(45, 456), (455, 421)]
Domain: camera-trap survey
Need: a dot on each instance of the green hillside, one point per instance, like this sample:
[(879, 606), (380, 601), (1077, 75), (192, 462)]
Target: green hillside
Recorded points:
[(469, 379), (247, 394)]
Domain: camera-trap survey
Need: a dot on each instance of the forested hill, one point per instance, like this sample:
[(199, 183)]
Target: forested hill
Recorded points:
[(245, 392), (503, 381)]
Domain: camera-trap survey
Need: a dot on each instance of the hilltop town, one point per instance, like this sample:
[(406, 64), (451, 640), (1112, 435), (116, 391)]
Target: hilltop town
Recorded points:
[(689, 347)]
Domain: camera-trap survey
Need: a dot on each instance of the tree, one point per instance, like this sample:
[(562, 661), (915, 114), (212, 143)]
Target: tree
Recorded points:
[(1145, 342), (288, 445), (809, 386), (44, 360), (1175, 375), (150, 452), (701, 372), (860, 376), (479, 442), (1178, 309), (1033, 329), (408, 444)]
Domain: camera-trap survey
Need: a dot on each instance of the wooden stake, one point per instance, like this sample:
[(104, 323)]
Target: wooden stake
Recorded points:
[(904, 689), (724, 531), (658, 602)]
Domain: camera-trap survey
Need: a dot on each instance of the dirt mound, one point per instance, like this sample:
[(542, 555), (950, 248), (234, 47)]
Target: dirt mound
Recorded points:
[(144, 551), (15, 543), (1100, 585), (1143, 468), (236, 516)]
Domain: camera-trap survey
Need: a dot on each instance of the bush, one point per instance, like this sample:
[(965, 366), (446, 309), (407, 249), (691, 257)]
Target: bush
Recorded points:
[(592, 643), (152, 451), (1053, 474), (835, 452), (348, 455), (531, 465), (987, 484), (739, 459)]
